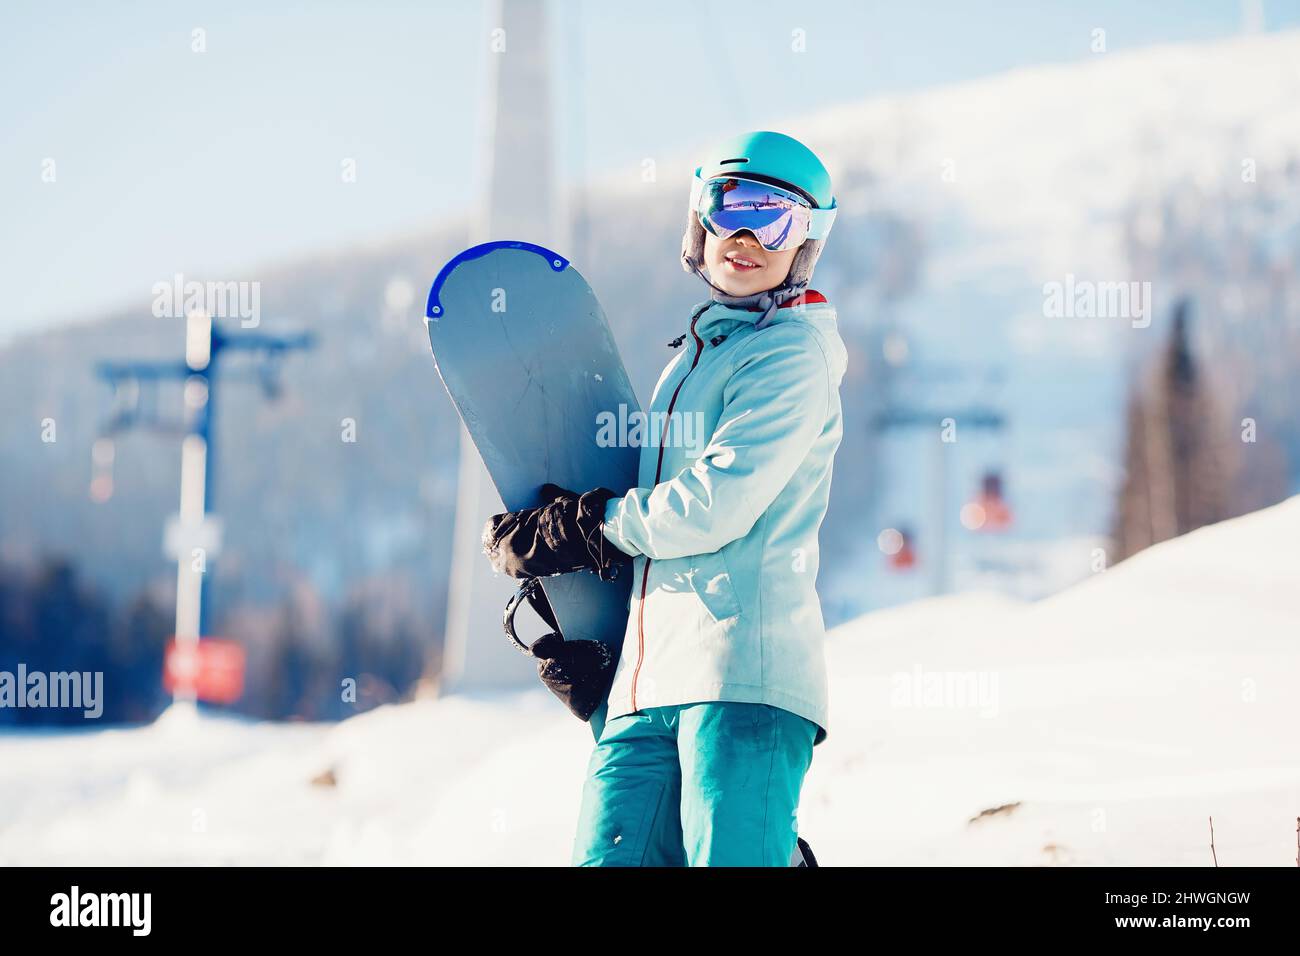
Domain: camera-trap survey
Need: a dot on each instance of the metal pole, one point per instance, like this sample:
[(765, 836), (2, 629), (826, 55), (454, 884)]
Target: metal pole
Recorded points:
[(940, 479), (209, 445)]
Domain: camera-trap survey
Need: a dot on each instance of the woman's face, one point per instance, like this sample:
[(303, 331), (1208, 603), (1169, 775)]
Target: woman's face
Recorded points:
[(741, 266)]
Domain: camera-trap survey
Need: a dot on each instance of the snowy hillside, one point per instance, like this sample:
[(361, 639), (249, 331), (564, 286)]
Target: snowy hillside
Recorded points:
[(1119, 715), (1044, 162), (1124, 166), (1111, 721)]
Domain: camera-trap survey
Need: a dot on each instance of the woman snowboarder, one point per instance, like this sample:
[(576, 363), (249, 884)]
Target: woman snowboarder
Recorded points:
[(719, 694)]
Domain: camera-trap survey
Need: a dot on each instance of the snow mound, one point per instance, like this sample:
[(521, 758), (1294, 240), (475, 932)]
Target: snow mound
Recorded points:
[(1113, 719)]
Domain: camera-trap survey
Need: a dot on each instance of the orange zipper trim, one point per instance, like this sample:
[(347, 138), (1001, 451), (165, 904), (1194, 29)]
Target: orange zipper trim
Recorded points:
[(645, 573)]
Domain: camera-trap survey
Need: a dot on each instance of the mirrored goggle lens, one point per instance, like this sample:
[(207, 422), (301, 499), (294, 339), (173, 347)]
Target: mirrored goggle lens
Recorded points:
[(778, 218)]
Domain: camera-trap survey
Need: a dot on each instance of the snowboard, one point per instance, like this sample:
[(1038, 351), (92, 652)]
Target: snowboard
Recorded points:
[(523, 348)]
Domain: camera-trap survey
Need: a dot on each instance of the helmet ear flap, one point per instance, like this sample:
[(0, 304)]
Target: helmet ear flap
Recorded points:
[(801, 269), (692, 242)]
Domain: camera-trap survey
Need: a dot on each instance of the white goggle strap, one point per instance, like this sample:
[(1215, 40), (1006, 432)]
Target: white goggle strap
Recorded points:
[(697, 187), (822, 220)]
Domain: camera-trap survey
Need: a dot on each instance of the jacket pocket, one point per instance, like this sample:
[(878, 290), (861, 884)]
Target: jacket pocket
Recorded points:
[(711, 582)]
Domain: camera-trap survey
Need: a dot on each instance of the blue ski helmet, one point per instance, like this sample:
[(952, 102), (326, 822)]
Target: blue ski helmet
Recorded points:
[(779, 160)]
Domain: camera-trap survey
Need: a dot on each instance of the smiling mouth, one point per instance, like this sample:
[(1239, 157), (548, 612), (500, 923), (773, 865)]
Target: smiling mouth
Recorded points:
[(742, 263)]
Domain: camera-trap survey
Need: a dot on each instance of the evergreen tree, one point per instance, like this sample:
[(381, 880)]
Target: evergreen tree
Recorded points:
[(1178, 461)]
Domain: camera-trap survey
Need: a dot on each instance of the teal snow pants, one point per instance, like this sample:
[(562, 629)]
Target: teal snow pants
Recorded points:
[(707, 784)]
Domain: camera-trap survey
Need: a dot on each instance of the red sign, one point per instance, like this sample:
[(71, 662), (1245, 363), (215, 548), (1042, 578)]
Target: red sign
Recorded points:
[(212, 669)]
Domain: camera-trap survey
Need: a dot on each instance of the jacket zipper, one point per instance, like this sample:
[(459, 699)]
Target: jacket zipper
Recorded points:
[(645, 572)]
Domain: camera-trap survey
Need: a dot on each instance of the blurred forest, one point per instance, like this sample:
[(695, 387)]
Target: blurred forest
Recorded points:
[(53, 621)]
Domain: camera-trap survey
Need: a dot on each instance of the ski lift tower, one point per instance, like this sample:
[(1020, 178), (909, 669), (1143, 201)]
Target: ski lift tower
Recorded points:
[(193, 535), (520, 200)]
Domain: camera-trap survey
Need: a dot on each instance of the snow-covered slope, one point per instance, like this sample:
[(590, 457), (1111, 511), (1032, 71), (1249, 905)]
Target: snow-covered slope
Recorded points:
[(1120, 715), (1111, 720)]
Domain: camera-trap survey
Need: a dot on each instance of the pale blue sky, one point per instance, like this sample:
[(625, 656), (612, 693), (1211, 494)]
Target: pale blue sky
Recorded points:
[(169, 161)]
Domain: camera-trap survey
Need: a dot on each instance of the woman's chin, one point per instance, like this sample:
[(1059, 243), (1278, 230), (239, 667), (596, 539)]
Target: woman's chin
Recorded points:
[(734, 284)]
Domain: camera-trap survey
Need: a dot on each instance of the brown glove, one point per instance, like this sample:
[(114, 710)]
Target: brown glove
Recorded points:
[(563, 534)]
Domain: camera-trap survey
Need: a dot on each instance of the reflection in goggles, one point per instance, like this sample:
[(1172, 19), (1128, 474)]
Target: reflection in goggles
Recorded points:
[(777, 218)]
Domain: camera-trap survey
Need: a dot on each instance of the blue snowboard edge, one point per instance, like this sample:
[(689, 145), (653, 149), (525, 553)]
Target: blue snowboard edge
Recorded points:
[(433, 310)]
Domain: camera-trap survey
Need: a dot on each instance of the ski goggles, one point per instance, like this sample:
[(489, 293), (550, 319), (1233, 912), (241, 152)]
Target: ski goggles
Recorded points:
[(780, 219)]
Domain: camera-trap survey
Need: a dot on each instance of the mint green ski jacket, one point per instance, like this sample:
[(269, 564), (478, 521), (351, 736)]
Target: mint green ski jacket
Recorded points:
[(735, 474)]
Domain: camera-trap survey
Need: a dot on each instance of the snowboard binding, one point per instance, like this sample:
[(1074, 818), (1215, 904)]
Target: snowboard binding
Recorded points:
[(803, 854)]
